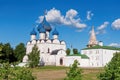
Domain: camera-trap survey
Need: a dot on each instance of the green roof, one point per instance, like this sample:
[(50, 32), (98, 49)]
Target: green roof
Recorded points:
[(103, 47), (82, 56)]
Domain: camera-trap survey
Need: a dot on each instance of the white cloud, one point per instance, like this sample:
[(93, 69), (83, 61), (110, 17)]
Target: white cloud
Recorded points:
[(101, 28), (114, 44), (101, 32), (89, 15), (71, 13), (54, 16), (116, 24), (79, 30)]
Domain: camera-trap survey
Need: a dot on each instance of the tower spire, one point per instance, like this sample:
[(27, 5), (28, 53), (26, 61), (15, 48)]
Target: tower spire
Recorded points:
[(93, 40), (71, 50), (45, 12)]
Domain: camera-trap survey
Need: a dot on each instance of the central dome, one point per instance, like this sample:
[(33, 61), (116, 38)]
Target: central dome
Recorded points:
[(41, 29), (46, 25)]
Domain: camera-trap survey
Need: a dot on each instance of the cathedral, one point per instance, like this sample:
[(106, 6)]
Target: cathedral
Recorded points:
[(53, 51), (49, 47)]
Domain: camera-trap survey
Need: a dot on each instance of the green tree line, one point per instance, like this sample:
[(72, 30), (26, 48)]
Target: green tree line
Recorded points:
[(9, 54), (75, 51)]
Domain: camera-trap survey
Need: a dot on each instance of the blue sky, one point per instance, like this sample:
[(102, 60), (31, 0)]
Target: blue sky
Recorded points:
[(73, 20)]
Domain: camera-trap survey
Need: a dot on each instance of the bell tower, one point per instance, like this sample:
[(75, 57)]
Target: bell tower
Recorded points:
[(93, 41)]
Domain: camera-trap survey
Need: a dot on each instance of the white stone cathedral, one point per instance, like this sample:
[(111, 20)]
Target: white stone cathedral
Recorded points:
[(51, 50)]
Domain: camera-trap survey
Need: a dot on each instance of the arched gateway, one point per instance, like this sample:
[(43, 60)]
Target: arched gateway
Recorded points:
[(61, 61)]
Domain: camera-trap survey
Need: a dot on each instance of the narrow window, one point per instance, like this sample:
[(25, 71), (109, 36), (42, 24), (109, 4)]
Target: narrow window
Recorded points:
[(48, 50)]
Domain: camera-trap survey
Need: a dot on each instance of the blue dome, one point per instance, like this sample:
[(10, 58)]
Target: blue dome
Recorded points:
[(46, 25), (33, 32), (55, 32), (39, 27), (42, 30)]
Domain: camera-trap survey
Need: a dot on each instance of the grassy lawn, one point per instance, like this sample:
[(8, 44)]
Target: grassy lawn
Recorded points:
[(59, 73)]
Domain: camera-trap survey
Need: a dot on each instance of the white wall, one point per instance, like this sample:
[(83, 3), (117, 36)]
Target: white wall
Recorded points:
[(69, 60), (48, 59), (84, 62), (33, 37), (107, 56), (44, 48), (98, 57)]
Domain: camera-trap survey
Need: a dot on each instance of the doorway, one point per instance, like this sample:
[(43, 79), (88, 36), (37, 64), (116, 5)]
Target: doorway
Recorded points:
[(61, 61)]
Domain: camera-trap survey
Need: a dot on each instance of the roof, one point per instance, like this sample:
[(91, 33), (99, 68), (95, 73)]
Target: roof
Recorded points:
[(103, 47), (71, 51), (83, 56), (42, 30), (55, 52), (46, 25), (55, 32), (39, 26), (33, 32)]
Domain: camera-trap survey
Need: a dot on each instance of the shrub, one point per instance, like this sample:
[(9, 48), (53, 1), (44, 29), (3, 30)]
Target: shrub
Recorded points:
[(15, 73), (112, 70), (34, 57), (74, 72)]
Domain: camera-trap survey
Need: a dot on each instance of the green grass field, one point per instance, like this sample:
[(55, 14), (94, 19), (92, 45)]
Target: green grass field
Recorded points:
[(59, 73)]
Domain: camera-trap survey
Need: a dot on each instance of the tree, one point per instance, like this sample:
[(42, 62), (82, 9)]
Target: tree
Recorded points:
[(74, 72), (112, 69), (20, 51), (1, 46), (15, 73), (75, 51), (6, 53), (34, 57), (68, 51), (1, 54)]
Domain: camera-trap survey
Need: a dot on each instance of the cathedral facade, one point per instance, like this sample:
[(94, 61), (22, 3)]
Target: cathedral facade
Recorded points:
[(49, 48)]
